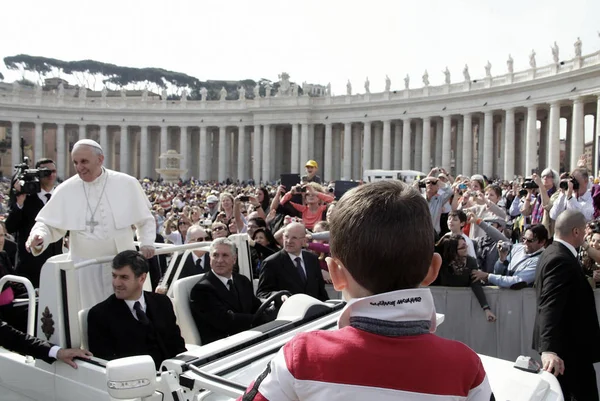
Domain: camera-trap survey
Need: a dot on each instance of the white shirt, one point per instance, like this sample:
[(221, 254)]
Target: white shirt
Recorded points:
[(131, 303), (293, 257), (224, 280), (569, 246), (42, 195)]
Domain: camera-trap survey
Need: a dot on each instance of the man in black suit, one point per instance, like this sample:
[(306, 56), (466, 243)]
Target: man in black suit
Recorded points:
[(24, 344), (21, 218), (223, 302), (132, 321), (292, 268), (566, 330)]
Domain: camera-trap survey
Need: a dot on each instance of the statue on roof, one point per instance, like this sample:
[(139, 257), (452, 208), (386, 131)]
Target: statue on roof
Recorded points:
[(242, 93), (388, 83), (203, 94), (426, 78), (466, 73), (223, 94), (348, 88), (104, 92), (555, 52), (256, 91), (285, 87), (488, 69), (268, 89), (61, 90), (532, 63), (509, 64), (329, 89), (447, 76), (578, 47), (184, 96), (406, 81), (367, 86)]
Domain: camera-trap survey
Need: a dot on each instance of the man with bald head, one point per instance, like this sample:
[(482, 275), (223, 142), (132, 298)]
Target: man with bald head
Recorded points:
[(97, 206), (566, 330), (292, 269)]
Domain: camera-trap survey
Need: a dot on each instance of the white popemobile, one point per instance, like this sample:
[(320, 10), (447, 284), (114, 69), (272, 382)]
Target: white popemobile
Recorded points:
[(217, 371)]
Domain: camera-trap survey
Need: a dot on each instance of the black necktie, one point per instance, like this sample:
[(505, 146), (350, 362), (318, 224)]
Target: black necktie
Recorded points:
[(300, 269), (199, 265), (232, 289), (139, 312), (47, 197)]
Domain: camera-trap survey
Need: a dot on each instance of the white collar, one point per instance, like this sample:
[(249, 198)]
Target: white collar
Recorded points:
[(569, 246), (224, 280), (98, 179), (293, 257), (396, 306), (141, 300)]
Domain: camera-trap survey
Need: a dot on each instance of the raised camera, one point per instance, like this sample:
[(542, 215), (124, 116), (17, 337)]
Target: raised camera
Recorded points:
[(29, 178), (564, 183)]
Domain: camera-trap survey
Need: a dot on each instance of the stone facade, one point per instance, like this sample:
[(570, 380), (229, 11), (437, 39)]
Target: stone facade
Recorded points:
[(486, 125)]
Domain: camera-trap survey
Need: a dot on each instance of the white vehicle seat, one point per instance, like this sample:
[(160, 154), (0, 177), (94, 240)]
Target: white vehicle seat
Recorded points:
[(181, 294), (83, 327)]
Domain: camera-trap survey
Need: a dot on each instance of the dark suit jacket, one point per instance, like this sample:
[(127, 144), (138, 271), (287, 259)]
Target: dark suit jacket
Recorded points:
[(24, 344), (216, 311), (20, 222), (11, 251), (278, 272), (189, 267), (114, 333), (566, 321)]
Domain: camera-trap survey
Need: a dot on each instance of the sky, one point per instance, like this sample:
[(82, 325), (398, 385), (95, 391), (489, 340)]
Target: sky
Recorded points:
[(315, 41)]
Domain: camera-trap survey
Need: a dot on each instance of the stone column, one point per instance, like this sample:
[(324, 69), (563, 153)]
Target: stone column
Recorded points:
[(295, 149), (163, 144), (266, 159), (82, 131), (303, 147), (426, 158), (467, 148), (386, 146), (397, 146), (144, 152), (347, 163), (38, 144), (446, 142), (577, 132), (543, 145), (554, 136), (406, 144), (328, 156), (531, 144), (356, 151), (367, 146), (256, 157), (222, 173), (241, 170), (377, 145), (124, 151), (183, 146), (439, 141), (61, 159), (418, 145), (312, 153), (488, 144), (458, 155), (104, 145), (203, 155), (509, 145)]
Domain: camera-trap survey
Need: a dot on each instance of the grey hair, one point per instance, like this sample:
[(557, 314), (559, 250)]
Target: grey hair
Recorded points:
[(193, 228), (223, 241), (555, 175)]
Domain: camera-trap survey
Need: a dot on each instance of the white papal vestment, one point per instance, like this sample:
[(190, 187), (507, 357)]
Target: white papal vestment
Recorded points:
[(116, 201)]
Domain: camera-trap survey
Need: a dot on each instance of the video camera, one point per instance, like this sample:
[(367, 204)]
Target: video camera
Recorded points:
[(564, 183), (28, 178), (527, 184)]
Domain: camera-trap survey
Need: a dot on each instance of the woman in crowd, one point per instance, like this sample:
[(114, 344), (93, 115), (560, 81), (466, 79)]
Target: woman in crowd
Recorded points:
[(262, 195), (316, 201), (264, 244), (591, 268), (219, 230), (195, 215), (226, 206), (456, 269)]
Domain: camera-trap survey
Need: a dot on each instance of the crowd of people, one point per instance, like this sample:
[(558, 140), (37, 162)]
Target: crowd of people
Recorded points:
[(486, 232)]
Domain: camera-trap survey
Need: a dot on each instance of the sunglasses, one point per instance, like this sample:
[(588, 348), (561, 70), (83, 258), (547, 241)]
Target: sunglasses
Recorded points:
[(431, 182)]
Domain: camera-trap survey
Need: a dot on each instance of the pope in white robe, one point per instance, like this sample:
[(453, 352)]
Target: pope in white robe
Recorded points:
[(98, 207)]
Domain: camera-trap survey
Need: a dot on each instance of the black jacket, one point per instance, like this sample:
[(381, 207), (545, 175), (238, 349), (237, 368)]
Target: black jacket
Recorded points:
[(24, 344), (20, 222), (114, 333), (217, 313), (278, 272), (566, 321)]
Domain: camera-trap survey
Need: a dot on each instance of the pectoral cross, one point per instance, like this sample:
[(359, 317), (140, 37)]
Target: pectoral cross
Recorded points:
[(92, 223)]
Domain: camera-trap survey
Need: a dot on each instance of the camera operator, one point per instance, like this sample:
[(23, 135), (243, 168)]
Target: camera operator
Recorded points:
[(21, 218), (539, 208), (574, 194)]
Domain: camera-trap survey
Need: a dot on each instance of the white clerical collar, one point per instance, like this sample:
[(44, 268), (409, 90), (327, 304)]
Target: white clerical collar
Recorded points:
[(97, 180), (569, 246), (223, 279), (411, 305), (130, 304)]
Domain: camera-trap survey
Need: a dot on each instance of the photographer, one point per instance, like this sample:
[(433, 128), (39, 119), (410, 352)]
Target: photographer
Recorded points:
[(23, 210), (574, 194), (539, 208)]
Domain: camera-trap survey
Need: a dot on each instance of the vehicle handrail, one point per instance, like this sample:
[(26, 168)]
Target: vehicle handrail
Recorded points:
[(30, 295), (160, 251)]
